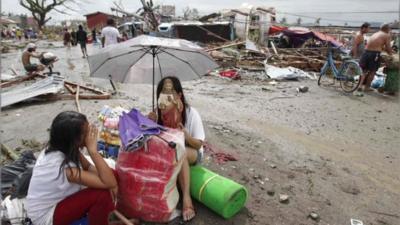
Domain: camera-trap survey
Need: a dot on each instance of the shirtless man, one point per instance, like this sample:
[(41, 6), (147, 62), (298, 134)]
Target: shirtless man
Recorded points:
[(26, 59), (370, 59), (358, 45)]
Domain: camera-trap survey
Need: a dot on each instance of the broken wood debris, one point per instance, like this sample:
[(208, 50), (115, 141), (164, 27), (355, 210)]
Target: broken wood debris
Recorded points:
[(9, 152), (18, 80), (307, 59), (38, 90), (49, 85), (78, 106)]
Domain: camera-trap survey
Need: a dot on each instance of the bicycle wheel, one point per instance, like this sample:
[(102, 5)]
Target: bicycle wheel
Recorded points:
[(326, 78), (350, 76)]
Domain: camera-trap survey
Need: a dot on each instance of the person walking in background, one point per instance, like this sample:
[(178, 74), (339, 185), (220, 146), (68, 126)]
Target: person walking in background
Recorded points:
[(81, 37), (73, 38), (110, 35), (94, 38), (19, 34), (67, 38), (358, 44)]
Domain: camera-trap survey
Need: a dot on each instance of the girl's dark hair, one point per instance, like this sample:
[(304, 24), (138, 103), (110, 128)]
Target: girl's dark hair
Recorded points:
[(67, 134), (179, 90)]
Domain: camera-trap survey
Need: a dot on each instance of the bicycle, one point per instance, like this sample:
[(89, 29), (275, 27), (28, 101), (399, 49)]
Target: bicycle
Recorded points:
[(348, 74)]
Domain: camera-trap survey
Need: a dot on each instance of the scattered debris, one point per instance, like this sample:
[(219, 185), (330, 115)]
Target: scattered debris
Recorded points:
[(219, 156), (302, 89), (17, 80), (289, 73), (283, 198), (314, 216), (385, 214), (31, 144), (271, 192), (9, 152), (356, 222), (232, 74), (50, 85), (7, 77)]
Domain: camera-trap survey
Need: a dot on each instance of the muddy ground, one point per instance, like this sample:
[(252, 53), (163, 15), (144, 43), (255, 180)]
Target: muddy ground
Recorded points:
[(332, 153)]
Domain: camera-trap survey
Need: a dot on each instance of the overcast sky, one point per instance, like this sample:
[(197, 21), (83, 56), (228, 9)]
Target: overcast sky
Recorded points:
[(309, 8)]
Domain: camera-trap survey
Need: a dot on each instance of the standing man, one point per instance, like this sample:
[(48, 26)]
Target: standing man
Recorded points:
[(358, 45), (81, 37), (371, 58), (110, 35)]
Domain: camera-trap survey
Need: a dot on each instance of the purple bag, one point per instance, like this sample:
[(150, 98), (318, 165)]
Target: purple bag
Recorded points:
[(134, 129)]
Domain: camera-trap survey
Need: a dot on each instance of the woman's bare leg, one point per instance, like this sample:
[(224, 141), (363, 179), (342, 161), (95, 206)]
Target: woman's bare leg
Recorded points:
[(191, 155), (184, 181)]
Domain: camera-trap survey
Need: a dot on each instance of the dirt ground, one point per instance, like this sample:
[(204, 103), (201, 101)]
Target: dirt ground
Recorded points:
[(333, 154)]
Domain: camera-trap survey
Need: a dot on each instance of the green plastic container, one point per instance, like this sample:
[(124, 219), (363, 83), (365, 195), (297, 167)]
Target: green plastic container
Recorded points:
[(392, 82), (218, 193)]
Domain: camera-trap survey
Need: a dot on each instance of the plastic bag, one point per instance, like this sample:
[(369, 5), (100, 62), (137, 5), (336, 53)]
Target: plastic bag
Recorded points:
[(14, 212), (147, 178), (15, 177)]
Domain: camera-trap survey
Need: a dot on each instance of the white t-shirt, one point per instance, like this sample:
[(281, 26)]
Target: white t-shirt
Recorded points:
[(111, 35), (47, 187), (194, 125)]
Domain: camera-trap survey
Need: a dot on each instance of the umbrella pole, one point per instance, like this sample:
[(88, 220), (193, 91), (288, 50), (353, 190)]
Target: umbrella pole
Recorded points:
[(153, 51)]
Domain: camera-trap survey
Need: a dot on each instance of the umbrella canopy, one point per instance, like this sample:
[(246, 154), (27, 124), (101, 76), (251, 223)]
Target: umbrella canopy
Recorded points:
[(147, 59)]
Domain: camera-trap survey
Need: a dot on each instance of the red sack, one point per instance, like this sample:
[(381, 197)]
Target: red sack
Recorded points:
[(147, 179)]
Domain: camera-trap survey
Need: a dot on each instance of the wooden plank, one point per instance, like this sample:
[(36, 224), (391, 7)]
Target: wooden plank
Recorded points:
[(72, 97), (69, 88), (78, 106), (213, 34), (86, 88), (226, 46), (9, 152), (94, 90), (19, 80), (273, 48)]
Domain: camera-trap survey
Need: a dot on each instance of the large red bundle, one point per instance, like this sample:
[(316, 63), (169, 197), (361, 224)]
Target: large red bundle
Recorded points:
[(147, 178)]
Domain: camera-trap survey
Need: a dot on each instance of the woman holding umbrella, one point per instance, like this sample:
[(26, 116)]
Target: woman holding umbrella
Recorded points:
[(189, 121)]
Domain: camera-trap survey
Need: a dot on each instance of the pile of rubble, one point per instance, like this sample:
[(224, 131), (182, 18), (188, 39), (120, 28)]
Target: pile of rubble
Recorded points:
[(239, 55)]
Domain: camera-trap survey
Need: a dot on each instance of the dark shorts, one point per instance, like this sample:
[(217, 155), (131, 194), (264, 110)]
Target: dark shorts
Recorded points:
[(31, 67), (82, 44), (370, 61)]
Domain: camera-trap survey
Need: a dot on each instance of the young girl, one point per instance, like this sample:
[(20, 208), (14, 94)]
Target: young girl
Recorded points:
[(57, 192), (192, 126)]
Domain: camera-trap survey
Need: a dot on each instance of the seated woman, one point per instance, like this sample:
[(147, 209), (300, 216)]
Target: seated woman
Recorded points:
[(174, 111), (57, 193)]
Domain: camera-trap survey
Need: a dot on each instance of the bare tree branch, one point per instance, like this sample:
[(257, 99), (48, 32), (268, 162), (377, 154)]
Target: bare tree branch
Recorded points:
[(40, 8)]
